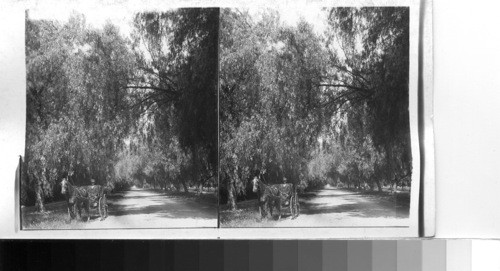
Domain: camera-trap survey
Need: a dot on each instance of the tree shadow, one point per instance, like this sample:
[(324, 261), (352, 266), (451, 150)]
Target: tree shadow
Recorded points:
[(357, 209), (163, 208), (311, 195)]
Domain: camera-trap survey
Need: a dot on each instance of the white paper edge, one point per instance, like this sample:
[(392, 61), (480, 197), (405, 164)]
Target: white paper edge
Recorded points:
[(429, 186)]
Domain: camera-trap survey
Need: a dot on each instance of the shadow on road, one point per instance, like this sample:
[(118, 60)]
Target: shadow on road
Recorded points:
[(356, 204), (160, 205)]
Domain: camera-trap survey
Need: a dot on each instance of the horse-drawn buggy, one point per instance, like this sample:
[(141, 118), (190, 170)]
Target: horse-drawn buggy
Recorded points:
[(280, 196), (85, 197)]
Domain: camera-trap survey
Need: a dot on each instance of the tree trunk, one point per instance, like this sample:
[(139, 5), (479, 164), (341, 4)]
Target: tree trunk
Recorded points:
[(231, 197), (379, 186), (389, 174), (195, 178), (184, 185), (200, 188), (39, 205), (231, 191)]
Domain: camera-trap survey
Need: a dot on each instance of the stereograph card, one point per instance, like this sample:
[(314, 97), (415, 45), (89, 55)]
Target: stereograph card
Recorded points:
[(292, 119)]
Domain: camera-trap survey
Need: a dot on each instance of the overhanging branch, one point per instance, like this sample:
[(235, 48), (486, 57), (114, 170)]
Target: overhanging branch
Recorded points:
[(345, 86), (164, 90)]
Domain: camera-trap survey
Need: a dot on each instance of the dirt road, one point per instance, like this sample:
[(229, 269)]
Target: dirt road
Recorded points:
[(329, 207), (133, 209)]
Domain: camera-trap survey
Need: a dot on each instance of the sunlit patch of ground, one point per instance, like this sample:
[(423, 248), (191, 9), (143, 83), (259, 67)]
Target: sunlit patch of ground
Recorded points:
[(329, 208)]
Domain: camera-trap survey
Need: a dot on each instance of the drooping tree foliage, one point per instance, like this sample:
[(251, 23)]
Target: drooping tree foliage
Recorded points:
[(121, 109), (369, 79), (76, 102), (177, 56), (270, 102), (311, 107)]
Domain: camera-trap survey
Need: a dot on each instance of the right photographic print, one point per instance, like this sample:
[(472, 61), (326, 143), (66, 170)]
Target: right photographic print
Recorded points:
[(315, 118)]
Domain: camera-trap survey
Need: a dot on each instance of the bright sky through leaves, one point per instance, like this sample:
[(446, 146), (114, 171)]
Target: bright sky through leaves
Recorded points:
[(291, 15), (95, 17)]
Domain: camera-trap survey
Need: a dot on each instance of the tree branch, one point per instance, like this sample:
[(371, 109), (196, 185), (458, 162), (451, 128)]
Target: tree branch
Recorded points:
[(343, 95), (355, 75), (167, 91), (151, 71), (344, 86)]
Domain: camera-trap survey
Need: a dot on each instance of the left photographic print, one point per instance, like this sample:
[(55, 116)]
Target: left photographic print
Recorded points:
[(121, 128)]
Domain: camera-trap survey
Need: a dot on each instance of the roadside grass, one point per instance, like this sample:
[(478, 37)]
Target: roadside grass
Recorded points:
[(247, 215), (55, 217)]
